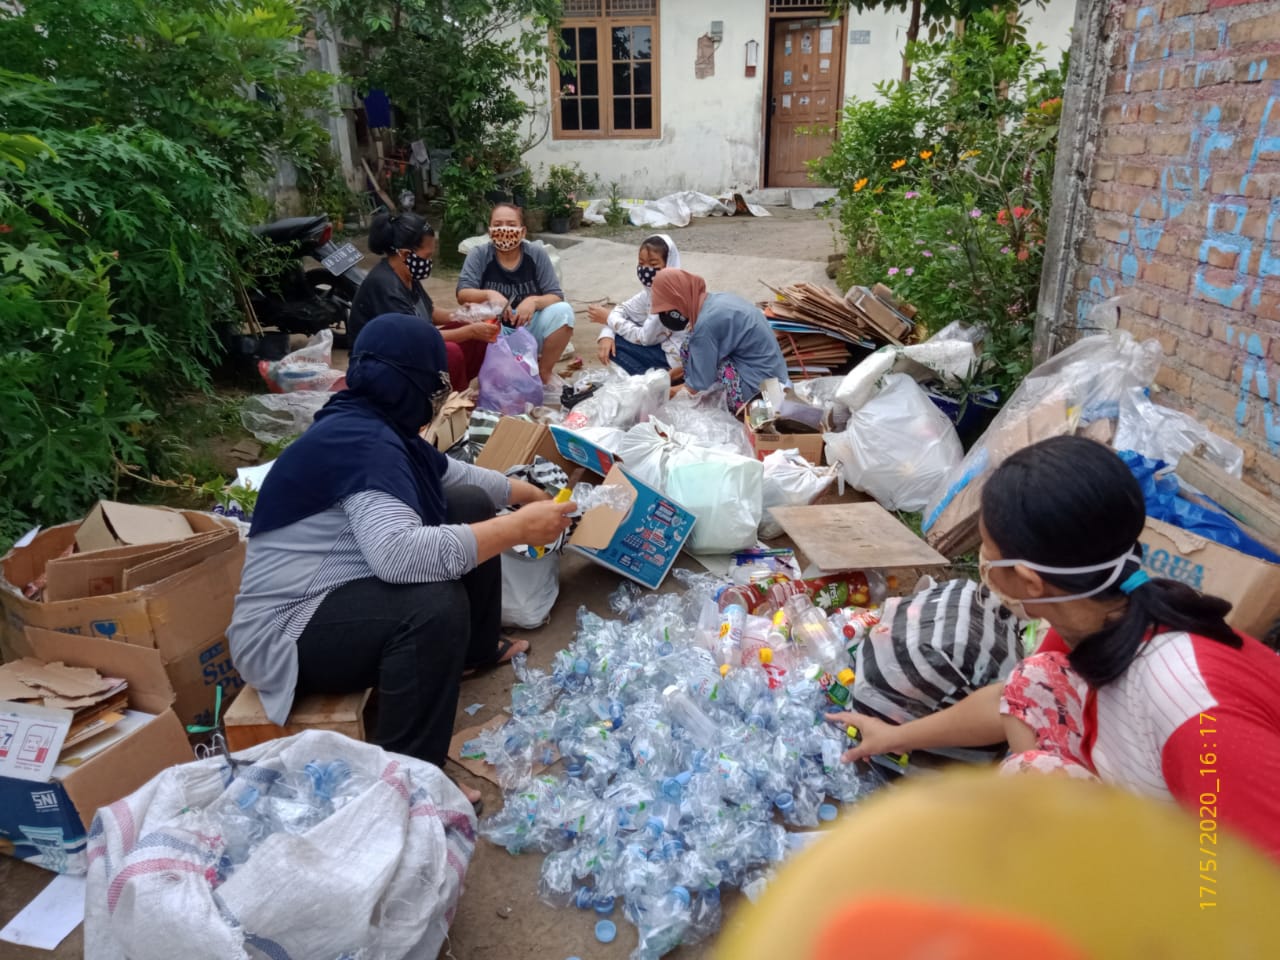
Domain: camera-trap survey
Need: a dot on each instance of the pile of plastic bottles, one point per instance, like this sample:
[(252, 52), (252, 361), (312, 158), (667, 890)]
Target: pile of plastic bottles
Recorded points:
[(271, 801), (691, 733)]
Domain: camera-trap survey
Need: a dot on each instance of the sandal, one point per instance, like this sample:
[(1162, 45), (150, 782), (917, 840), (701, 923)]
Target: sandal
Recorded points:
[(504, 655)]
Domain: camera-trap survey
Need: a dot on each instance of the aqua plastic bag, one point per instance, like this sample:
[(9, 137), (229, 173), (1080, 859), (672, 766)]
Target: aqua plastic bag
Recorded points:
[(509, 381)]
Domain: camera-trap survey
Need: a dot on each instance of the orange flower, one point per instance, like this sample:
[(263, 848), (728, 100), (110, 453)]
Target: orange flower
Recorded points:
[(969, 154), (926, 154), (860, 184), (898, 164), (878, 190)]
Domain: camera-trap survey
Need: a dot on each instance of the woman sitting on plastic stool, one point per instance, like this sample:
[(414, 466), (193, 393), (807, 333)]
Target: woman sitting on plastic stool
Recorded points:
[(517, 277), (373, 557)]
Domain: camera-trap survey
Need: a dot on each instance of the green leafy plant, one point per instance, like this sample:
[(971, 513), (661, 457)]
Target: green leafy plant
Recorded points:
[(615, 214), (133, 137), (945, 184), (565, 185)]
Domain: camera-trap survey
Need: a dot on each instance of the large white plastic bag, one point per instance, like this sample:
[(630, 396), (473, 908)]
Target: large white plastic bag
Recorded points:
[(1163, 434), (790, 481), (509, 380), (706, 417), (621, 401), (272, 417), (723, 490), (379, 878), (898, 447), (530, 587)]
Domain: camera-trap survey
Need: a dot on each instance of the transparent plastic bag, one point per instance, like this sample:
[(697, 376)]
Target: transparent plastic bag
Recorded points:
[(307, 368), (1160, 433), (1082, 384), (706, 418), (530, 586), (509, 381), (790, 480), (477, 313), (621, 401), (898, 447), (273, 417)]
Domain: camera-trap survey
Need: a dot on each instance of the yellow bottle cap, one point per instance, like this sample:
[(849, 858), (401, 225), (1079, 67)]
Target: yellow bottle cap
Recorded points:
[(779, 618), (766, 655), (564, 496), (724, 669), (851, 731), (845, 676)]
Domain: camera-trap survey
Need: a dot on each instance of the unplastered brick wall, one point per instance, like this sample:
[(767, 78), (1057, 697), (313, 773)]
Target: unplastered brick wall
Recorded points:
[(1184, 209)]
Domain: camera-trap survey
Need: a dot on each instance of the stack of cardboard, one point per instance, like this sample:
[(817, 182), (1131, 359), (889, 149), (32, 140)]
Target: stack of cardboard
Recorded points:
[(146, 576), (865, 317), (95, 703)]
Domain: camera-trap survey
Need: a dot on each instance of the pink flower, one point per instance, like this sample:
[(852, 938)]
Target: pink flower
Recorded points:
[(910, 271), (926, 253), (975, 213), (568, 90), (1004, 249), (910, 195), (893, 271), (5, 228)]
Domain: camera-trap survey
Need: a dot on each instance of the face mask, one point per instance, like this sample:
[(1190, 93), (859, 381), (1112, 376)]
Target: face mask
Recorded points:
[(673, 320), (1017, 607), (646, 274), (436, 399), (419, 267), (506, 238)]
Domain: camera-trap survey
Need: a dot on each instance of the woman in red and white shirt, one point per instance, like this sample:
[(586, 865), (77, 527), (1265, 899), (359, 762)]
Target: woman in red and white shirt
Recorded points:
[(1141, 681)]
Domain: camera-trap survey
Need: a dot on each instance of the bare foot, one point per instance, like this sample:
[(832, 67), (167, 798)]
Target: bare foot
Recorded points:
[(473, 796)]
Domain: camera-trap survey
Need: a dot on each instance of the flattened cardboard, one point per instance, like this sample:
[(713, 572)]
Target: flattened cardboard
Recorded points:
[(1252, 586), (45, 823), (578, 449), (193, 551), (97, 573), (516, 442), (641, 543), (450, 424), (111, 524), (855, 536)]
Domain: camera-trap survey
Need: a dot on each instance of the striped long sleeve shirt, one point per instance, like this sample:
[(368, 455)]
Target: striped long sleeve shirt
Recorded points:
[(288, 573)]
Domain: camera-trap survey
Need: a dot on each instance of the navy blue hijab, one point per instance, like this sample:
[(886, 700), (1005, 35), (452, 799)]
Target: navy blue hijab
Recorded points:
[(366, 437)]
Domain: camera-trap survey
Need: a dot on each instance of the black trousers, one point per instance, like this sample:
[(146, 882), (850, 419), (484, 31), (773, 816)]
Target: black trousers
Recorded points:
[(411, 641)]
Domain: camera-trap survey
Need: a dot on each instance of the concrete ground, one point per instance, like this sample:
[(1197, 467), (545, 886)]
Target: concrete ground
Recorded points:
[(500, 915)]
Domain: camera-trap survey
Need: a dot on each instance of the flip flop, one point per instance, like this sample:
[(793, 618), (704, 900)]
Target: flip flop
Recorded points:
[(504, 656)]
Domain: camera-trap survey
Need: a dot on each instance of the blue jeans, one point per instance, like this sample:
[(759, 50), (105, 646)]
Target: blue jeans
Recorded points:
[(636, 359)]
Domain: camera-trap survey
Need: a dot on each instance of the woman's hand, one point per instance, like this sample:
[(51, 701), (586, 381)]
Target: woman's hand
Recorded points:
[(524, 492), (598, 313), (543, 521), (605, 349), (484, 332), (524, 313), (876, 736)]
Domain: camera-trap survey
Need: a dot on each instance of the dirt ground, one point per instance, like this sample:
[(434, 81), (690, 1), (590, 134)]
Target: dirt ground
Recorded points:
[(500, 915)]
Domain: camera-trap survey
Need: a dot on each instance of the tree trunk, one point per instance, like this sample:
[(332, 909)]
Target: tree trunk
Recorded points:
[(913, 31)]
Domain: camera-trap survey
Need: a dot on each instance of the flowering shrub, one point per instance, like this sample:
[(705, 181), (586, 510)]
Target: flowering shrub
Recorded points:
[(945, 184)]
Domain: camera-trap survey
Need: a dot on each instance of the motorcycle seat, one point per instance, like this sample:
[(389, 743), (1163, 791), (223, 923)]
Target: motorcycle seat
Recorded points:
[(291, 228)]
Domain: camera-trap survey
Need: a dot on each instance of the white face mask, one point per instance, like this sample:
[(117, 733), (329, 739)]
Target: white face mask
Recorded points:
[(1017, 607)]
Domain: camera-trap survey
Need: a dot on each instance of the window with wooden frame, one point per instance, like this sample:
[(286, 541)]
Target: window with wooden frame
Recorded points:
[(609, 88)]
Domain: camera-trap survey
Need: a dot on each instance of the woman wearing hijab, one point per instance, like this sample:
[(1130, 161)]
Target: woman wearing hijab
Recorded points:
[(372, 559), (729, 342), (632, 336), (407, 244)]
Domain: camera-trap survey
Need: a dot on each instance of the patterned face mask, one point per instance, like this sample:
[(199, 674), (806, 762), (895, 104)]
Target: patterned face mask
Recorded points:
[(646, 274), (506, 238), (673, 320), (419, 267)]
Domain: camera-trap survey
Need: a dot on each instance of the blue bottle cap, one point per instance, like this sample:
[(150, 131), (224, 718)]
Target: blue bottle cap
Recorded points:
[(655, 825), (682, 894), (606, 931), (573, 770), (784, 801), (671, 789), (827, 811), (604, 906), (581, 667)]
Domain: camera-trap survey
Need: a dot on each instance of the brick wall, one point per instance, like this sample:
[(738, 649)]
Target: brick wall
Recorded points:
[(1183, 213)]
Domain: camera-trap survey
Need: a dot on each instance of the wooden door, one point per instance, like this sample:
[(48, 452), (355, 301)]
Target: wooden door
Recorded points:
[(805, 74)]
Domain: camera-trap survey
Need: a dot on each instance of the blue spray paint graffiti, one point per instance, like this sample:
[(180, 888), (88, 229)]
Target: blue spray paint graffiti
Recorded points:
[(1254, 377), (1226, 241)]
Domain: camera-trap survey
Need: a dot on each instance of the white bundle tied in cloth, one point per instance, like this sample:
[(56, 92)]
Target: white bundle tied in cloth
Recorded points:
[(378, 878)]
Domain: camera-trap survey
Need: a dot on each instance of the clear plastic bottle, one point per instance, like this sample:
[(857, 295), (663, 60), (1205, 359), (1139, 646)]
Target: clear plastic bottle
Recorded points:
[(683, 710), (663, 923)]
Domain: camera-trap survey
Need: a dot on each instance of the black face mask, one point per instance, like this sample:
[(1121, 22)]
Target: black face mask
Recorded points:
[(419, 267), (673, 320)]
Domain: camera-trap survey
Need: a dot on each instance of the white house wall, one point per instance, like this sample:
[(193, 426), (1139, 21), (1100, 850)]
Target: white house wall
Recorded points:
[(712, 129)]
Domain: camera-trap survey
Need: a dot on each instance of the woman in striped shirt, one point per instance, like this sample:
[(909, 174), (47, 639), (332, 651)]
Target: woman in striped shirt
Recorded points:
[(373, 558), (1141, 682)]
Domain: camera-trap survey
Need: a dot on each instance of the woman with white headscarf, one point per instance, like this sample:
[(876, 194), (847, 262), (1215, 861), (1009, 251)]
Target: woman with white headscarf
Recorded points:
[(632, 337)]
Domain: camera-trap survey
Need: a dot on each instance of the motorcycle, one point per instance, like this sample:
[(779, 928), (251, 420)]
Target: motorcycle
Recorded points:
[(298, 300)]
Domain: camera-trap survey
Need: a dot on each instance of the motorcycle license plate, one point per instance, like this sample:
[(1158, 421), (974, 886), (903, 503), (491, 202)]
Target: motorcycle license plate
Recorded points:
[(342, 259)]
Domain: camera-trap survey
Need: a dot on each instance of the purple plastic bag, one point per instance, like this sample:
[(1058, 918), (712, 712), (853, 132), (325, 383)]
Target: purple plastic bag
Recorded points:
[(509, 381)]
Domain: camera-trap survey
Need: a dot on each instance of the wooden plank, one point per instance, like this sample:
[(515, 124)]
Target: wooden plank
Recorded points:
[(247, 724), (1255, 510), (855, 536)]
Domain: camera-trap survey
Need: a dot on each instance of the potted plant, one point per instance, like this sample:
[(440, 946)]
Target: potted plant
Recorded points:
[(560, 195)]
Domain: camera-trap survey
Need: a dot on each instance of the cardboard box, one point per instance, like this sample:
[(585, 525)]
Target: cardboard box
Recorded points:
[(450, 423), (515, 442), (764, 442), (1252, 586), (46, 823), (125, 525), (578, 449), (96, 573), (641, 543)]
